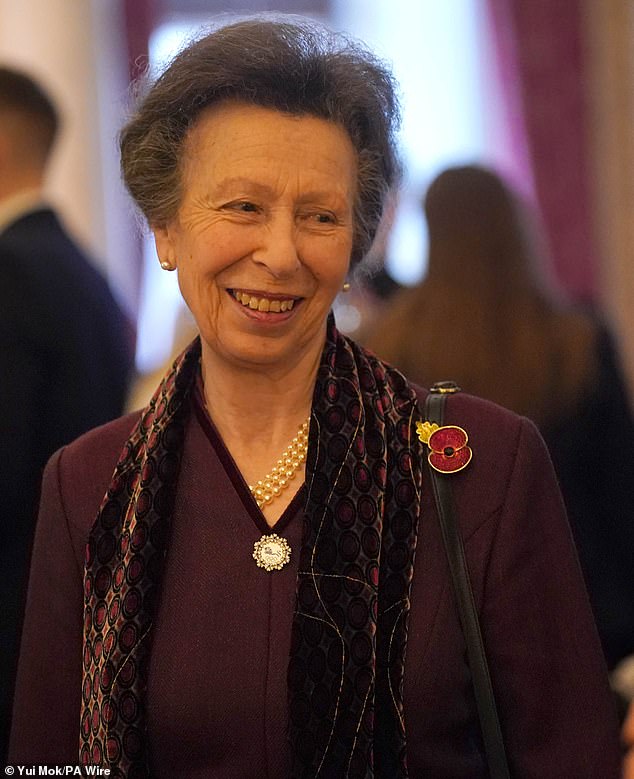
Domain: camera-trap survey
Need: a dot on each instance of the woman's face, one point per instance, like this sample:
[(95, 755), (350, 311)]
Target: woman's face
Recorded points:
[(263, 235)]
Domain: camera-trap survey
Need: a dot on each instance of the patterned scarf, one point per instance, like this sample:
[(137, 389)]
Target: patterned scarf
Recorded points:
[(345, 677)]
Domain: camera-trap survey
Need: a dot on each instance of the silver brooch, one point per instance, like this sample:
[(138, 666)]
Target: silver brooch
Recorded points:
[(271, 552)]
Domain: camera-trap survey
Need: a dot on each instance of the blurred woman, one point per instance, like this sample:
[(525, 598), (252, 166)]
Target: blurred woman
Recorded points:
[(251, 607)]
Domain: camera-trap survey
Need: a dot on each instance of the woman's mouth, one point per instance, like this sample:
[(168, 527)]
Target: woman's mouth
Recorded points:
[(263, 303)]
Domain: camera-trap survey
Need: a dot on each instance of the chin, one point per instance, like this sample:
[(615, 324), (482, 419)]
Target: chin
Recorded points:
[(255, 355)]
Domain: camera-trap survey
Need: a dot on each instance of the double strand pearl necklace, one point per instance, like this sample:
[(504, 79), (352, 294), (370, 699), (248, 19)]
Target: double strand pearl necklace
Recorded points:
[(272, 552), (283, 472)]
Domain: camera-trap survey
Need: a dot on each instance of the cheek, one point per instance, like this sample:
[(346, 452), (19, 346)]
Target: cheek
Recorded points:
[(210, 257), (226, 246), (328, 260), (335, 265), (197, 284)]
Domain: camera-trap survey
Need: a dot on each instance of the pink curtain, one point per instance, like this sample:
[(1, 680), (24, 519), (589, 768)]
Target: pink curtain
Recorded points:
[(140, 18), (541, 60)]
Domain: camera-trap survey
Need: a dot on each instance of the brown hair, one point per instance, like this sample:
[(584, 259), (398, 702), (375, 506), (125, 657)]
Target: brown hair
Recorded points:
[(289, 64), (486, 316), (22, 98)]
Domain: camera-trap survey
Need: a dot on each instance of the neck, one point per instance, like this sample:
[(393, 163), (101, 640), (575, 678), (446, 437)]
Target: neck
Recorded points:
[(258, 409), (233, 389)]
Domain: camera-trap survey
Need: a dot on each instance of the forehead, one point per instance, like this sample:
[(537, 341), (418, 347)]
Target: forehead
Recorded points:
[(237, 138)]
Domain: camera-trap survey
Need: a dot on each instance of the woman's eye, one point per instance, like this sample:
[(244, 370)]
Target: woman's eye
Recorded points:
[(324, 218), (245, 206)]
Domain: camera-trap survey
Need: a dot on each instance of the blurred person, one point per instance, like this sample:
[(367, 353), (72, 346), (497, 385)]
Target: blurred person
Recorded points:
[(259, 588), (628, 741), (65, 346), (486, 317)]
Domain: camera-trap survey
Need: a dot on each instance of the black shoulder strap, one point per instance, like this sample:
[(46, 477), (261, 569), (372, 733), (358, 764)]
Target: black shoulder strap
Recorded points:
[(485, 700)]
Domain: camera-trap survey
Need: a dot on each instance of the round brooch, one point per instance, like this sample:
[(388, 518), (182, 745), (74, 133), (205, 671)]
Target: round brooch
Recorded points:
[(271, 552)]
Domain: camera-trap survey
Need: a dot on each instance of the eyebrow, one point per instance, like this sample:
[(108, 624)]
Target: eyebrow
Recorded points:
[(241, 181)]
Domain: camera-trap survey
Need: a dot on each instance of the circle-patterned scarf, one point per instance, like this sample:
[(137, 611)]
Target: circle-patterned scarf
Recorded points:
[(345, 675)]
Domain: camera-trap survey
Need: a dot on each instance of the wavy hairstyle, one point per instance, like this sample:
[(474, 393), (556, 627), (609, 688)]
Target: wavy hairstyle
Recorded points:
[(286, 63)]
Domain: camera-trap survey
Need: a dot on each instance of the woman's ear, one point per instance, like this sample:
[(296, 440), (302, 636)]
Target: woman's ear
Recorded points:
[(164, 247)]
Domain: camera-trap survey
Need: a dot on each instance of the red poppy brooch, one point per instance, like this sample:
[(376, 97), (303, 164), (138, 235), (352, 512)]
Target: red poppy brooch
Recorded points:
[(448, 446)]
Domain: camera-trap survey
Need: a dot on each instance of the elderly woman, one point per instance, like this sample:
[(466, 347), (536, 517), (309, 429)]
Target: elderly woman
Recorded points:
[(229, 604)]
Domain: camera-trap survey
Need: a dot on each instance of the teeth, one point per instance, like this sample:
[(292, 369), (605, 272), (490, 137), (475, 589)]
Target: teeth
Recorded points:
[(263, 304)]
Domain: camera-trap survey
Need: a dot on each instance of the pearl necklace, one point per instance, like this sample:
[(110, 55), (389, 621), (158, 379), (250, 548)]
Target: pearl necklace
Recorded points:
[(284, 470)]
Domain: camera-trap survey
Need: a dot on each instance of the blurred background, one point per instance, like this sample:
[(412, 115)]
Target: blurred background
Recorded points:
[(540, 91)]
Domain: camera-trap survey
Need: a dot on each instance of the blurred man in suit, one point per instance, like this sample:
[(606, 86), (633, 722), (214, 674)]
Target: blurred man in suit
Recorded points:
[(65, 346)]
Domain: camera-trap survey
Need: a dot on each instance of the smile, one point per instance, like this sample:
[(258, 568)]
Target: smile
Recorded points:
[(266, 304)]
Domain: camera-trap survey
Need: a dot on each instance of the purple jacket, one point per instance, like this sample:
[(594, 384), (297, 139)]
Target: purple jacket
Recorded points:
[(217, 690)]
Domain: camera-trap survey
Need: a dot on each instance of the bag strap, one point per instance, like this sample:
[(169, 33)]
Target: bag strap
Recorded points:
[(485, 700)]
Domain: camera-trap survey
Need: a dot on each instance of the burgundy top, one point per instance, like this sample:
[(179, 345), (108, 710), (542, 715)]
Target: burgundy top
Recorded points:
[(217, 691)]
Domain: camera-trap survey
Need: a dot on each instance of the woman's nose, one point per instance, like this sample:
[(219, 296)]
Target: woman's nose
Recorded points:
[(277, 250)]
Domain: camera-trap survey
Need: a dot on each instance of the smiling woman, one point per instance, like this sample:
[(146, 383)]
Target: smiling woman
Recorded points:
[(262, 238), (219, 629)]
